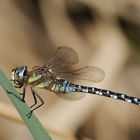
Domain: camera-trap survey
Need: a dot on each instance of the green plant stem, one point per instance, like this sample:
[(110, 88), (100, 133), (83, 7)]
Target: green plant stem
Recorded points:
[(34, 126)]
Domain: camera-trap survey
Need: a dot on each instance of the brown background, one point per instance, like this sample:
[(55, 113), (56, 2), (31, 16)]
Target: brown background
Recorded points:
[(105, 34)]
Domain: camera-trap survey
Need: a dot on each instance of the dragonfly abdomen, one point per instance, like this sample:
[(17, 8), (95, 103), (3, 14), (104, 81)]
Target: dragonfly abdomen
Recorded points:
[(62, 86), (107, 93)]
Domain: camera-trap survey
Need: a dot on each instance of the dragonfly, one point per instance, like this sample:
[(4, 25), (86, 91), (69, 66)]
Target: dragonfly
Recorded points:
[(59, 75)]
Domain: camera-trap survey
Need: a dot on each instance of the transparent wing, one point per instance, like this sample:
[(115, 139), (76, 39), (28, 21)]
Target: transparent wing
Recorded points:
[(62, 63), (70, 96), (64, 57), (86, 75)]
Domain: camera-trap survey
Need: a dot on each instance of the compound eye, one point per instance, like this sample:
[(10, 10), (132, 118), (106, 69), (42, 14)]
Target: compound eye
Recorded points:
[(21, 72)]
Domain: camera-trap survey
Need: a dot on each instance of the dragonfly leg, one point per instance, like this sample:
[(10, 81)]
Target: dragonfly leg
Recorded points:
[(35, 100), (41, 100), (23, 93)]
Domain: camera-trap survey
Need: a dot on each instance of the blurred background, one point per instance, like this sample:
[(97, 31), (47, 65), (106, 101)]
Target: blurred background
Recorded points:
[(104, 34)]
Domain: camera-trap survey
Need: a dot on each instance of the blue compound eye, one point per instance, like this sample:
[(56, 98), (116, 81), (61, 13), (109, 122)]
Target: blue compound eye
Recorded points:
[(21, 72)]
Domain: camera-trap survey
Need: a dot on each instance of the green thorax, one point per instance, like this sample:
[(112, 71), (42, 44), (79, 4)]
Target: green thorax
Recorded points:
[(34, 78), (41, 80)]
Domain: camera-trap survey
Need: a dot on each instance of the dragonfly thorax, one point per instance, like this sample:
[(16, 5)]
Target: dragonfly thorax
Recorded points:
[(40, 78)]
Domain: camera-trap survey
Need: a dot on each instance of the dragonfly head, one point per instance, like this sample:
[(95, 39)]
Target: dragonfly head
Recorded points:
[(18, 75)]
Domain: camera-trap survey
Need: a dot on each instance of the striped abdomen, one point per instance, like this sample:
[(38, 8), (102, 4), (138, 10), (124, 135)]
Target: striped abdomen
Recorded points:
[(107, 93), (65, 87)]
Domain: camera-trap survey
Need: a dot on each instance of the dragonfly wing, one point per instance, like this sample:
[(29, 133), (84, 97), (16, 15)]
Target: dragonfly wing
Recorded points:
[(62, 67), (85, 75), (70, 96), (64, 57)]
